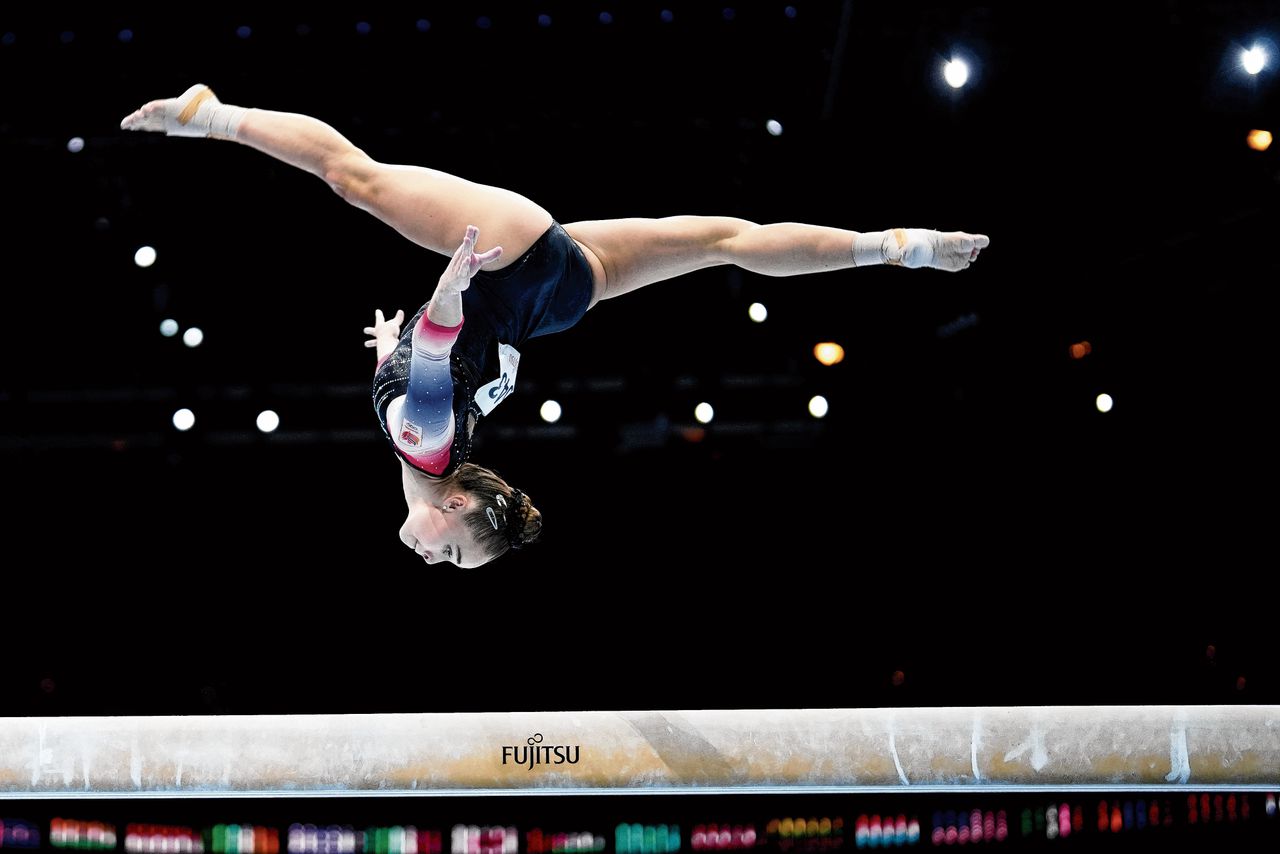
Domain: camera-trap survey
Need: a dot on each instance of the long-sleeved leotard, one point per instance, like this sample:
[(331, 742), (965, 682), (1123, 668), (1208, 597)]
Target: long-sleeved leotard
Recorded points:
[(421, 421), (425, 390)]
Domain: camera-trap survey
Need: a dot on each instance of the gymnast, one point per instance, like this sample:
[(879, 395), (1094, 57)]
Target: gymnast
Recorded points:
[(516, 274)]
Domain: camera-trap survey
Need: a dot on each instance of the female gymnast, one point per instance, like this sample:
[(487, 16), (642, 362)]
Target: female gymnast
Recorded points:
[(435, 381)]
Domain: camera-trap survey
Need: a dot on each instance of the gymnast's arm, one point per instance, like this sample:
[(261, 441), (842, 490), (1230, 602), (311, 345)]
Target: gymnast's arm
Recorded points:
[(425, 428)]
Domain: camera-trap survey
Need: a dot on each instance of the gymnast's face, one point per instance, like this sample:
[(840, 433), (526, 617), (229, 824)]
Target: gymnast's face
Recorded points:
[(438, 533)]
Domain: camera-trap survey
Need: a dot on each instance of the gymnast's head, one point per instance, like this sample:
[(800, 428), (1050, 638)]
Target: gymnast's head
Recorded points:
[(466, 519)]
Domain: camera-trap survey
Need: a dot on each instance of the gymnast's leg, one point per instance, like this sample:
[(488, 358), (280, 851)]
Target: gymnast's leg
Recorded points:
[(429, 207), (638, 252)]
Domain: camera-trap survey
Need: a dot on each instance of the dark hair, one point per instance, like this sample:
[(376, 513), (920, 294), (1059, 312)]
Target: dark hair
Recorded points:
[(500, 517)]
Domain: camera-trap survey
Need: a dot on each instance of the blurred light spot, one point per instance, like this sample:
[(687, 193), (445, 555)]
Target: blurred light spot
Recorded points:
[(1081, 349), (363, 28), (728, 14), (268, 421), (125, 36), (667, 16), (790, 11), (145, 256), (818, 406), (1105, 403), (75, 145), (774, 127), (550, 412), (757, 312), (1259, 140), (544, 20), (704, 413), (66, 37), (829, 353), (168, 327), (961, 323), (244, 32), (8, 39), (484, 22), (193, 336), (423, 25), (1254, 59), (899, 677), (303, 29), (184, 419), (606, 18), (956, 73)]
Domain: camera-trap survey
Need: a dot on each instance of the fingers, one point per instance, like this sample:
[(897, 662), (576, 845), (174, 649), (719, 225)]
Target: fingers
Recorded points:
[(468, 242), (466, 261), (369, 330), (981, 241), (399, 317), (377, 315), (371, 343), (462, 256)]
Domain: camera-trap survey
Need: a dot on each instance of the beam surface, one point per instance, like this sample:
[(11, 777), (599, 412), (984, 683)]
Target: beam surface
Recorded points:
[(1056, 747)]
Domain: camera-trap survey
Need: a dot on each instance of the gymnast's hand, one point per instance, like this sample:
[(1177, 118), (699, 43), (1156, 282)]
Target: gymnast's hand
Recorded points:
[(466, 263), (386, 333)]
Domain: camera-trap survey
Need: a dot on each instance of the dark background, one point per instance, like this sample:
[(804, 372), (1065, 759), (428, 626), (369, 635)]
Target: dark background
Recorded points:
[(963, 515)]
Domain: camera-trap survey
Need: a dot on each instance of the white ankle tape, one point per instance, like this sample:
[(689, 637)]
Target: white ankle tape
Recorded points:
[(198, 112), (905, 247)]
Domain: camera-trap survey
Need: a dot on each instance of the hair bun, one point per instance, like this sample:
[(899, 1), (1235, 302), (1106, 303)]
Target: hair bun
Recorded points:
[(518, 522)]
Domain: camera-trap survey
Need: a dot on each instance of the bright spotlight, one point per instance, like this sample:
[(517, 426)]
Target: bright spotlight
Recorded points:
[(75, 145), (1104, 403), (956, 73), (704, 413), (550, 412), (757, 312), (774, 127), (1254, 59), (145, 256), (818, 406), (184, 419), (828, 353), (168, 328), (268, 421), (193, 336), (1259, 140)]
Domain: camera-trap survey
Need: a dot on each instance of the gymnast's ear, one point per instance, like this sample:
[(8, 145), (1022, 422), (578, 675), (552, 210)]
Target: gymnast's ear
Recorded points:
[(457, 501)]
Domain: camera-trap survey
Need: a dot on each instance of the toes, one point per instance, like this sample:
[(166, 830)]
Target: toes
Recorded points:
[(150, 116)]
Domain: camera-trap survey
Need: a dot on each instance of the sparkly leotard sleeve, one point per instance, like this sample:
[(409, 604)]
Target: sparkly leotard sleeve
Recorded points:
[(421, 421)]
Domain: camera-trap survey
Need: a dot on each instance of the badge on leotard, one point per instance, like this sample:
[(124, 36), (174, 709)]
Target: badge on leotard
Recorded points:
[(410, 434), (495, 392)]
